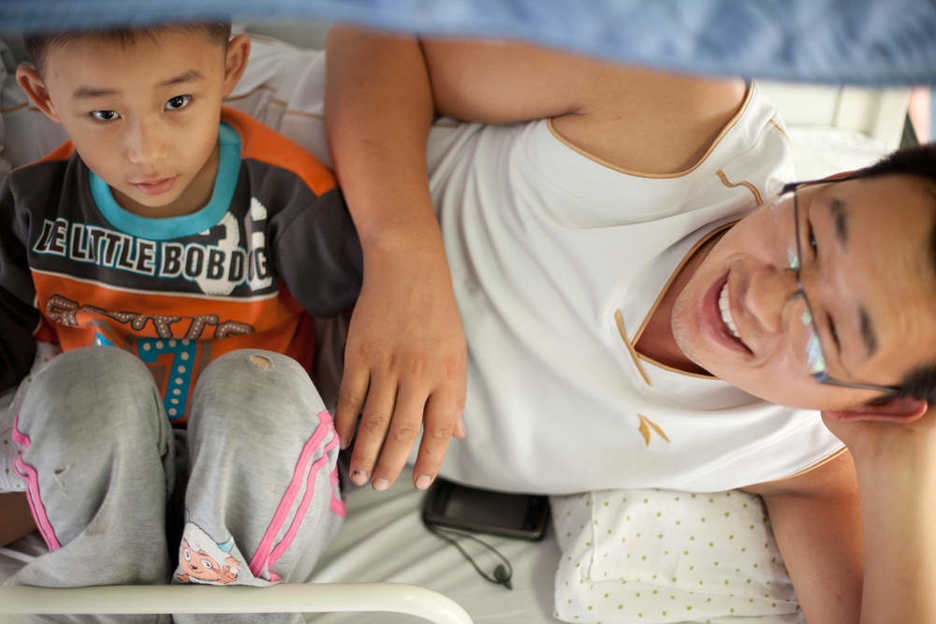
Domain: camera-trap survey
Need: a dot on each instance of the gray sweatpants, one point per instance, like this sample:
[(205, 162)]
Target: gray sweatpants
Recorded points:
[(261, 502)]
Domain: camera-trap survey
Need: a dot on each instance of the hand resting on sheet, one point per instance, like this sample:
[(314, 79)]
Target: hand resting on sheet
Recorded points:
[(405, 358)]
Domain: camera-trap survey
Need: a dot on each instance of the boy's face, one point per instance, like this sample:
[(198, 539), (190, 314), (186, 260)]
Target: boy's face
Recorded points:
[(867, 270), (143, 116)]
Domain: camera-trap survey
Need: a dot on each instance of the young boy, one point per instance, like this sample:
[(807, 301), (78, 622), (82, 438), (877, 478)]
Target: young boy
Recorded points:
[(195, 241)]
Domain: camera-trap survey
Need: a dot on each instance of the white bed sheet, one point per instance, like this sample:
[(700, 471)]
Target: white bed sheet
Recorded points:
[(383, 539)]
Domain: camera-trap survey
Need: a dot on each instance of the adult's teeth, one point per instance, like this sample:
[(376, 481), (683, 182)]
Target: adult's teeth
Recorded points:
[(726, 312)]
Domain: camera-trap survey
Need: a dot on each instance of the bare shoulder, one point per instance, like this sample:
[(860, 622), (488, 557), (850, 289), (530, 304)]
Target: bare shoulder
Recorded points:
[(833, 477), (633, 118)]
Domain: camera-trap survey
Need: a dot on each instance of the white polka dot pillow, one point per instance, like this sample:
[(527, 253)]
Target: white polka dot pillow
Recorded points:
[(663, 556)]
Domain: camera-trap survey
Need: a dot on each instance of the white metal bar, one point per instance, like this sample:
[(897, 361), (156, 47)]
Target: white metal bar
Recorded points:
[(286, 597)]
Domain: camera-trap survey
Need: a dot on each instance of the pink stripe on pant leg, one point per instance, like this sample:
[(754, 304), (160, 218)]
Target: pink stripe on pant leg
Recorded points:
[(337, 505), (292, 491), (296, 523), (29, 474)]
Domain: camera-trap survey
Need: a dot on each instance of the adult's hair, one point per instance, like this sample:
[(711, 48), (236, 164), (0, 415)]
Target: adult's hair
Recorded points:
[(918, 161), (39, 44)]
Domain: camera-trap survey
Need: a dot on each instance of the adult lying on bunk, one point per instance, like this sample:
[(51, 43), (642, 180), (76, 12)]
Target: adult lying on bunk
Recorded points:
[(641, 296)]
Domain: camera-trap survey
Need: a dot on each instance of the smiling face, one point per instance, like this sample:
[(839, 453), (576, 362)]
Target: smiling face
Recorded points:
[(144, 114), (867, 269)]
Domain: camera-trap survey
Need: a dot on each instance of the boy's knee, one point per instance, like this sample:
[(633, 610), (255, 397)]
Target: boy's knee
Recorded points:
[(259, 384), (261, 374), (93, 386), (90, 363), (253, 361), (261, 361)]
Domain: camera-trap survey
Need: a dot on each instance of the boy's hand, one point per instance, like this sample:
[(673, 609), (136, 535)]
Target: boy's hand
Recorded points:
[(404, 364)]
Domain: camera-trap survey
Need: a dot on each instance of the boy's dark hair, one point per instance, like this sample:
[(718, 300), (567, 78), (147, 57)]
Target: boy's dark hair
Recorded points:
[(918, 161), (38, 45)]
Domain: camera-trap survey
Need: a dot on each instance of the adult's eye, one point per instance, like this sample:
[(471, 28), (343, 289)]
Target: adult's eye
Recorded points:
[(811, 239), (178, 102), (105, 115), (833, 332)]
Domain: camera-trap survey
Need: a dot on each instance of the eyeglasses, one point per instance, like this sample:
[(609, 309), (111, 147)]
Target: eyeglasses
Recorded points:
[(815, 356)]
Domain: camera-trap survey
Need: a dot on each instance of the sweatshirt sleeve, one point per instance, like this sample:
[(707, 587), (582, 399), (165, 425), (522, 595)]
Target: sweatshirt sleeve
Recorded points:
[(18, 316), (317, 252)]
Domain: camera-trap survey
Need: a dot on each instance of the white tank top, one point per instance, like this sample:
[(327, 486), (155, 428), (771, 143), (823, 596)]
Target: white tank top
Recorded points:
[(548, 247), (557, 261)]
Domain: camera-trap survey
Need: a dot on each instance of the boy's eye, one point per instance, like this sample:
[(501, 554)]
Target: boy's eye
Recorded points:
[(105, 115), (178, 102)]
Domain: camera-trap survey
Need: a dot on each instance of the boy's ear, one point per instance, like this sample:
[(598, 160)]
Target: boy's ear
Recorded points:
[(900, 410), (238, 51), (31, 82)]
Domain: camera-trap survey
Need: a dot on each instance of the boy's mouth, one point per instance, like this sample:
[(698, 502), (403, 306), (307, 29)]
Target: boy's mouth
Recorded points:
[(156, 186)]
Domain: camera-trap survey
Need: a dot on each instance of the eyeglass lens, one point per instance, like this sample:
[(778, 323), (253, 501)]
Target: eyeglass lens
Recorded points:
[(815, 358)]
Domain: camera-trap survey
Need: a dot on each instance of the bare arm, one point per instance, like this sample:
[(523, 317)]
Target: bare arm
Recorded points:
[(900, 547), (870, 561), (405, 355), (896, 467), (817, 522), (636, 119)]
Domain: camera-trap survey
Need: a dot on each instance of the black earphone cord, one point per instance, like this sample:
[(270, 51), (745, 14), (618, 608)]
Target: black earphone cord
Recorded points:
[(502, 573)]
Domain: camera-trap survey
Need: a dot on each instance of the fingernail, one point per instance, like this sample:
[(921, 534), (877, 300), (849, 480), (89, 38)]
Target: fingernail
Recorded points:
[(381, 484), (359, 477), (423, 482)]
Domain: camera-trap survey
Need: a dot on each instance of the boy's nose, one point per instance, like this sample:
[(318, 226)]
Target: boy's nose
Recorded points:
[(145, 143), (769, 294)]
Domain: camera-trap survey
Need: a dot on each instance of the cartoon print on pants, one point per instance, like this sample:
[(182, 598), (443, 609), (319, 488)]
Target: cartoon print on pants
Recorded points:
[(204, 561), (198, 566)]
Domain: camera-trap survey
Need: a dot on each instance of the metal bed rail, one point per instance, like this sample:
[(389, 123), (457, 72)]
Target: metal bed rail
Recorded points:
[(286, 597)]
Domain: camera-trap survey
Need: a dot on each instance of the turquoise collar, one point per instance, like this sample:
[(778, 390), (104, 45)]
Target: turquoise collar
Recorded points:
[(229, 149)]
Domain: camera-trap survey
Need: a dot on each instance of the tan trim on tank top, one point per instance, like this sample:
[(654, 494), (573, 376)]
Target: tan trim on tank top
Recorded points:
[(672, 369), (749, 186), (639, 174), (780, 129), (619, 319), (822, 462), (659, 298)]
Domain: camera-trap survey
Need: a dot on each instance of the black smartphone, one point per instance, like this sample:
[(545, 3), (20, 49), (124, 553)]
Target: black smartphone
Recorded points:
[(448, 504)]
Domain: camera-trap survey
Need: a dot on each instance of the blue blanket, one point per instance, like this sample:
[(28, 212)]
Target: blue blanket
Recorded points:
[(871, 42)]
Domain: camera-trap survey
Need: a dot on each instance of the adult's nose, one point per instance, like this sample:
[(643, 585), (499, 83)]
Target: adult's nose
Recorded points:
[(770, 292)]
